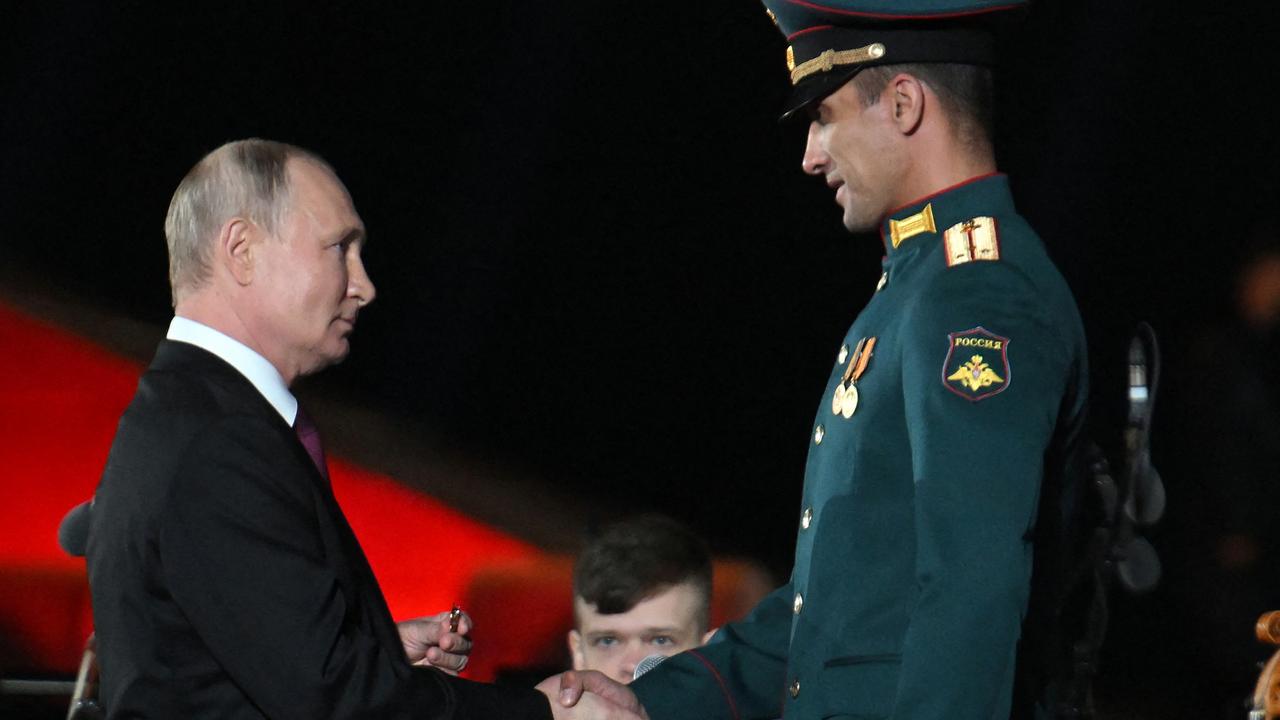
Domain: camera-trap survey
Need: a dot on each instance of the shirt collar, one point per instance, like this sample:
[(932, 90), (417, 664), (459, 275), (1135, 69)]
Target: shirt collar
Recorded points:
[(927, 218), (255, 368)]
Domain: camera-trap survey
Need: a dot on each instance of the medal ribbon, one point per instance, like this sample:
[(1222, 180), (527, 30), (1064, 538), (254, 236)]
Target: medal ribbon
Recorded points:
[(858, 365)]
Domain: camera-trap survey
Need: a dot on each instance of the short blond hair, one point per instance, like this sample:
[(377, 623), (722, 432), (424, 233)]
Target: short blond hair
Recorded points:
[(244, 178)]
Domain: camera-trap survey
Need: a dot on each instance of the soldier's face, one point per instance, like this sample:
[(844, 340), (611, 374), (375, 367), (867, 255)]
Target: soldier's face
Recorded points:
[(665, 624), (857, 148)]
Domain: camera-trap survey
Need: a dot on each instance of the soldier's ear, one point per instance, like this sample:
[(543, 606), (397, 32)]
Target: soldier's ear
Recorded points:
[(906, 93), (236, 249)]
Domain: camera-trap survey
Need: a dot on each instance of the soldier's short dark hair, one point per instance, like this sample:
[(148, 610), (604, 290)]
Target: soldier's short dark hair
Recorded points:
[(636, 558), (966, 93)]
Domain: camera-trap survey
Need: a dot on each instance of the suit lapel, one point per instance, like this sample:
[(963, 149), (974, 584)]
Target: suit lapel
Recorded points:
[(240, 396)]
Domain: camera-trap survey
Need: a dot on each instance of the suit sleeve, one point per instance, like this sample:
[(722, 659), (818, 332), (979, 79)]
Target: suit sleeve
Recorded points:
[(243, 556), (736, 676), (978, 447)]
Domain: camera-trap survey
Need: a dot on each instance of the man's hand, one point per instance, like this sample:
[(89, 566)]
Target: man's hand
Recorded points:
[(592, 696), (429, 641)]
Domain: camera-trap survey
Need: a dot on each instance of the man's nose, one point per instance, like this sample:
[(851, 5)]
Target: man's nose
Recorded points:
[(633, 658), (359, 286), (815, 159)]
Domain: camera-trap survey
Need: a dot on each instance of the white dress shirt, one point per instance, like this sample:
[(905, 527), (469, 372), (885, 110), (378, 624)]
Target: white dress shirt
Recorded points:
[(256, 369)]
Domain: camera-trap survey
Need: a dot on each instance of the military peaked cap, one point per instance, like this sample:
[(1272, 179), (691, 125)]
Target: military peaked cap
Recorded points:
[(831, 40)]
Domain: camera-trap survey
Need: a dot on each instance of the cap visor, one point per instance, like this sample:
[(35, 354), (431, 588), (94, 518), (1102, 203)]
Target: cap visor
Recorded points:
[(813, 89)]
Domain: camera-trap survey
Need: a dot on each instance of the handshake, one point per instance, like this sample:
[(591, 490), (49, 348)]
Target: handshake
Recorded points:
[(590, 695), (441, 641)]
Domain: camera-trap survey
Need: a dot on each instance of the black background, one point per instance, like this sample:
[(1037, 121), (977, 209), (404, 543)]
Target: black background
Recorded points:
[(597, 258)]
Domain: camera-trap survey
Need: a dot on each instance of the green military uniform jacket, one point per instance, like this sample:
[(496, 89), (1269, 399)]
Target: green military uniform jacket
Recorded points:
[(914, 553)]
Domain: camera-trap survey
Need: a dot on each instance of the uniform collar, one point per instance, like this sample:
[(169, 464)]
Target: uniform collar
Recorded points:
[(925, 220)]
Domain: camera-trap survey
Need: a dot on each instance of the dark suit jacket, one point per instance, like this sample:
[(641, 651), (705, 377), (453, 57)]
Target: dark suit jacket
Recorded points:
[(226, 582)]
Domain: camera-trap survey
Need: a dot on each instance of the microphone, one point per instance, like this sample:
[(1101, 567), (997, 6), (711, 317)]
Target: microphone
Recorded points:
[(1146, 501), (73, 531), (648, 663), (1137, 565)]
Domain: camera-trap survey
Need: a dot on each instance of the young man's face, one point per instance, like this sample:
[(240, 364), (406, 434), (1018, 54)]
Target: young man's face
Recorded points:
[(667, 623)]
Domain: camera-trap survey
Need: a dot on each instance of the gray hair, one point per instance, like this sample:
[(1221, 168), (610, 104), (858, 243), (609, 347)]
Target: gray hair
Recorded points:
[(245, 178)]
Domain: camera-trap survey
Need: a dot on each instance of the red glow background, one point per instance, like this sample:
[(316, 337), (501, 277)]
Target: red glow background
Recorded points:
[(60, 399)]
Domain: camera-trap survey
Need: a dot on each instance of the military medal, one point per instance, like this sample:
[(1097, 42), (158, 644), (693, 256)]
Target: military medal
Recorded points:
[(845, 400), (850, 402)]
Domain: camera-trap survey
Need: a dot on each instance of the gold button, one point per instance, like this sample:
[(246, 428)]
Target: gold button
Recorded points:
[(795, 689), (798, 604), (884, 280), (844, 355), (806, 518), (817, 435)]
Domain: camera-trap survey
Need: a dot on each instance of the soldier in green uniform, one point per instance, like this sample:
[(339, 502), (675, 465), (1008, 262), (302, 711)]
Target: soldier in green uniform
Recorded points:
[(952, 400)]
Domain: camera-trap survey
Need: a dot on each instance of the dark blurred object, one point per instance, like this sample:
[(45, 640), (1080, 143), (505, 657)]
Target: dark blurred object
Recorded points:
[(1231, 436), (84, 700), (1111, 550), (73, 531), (73, 536)]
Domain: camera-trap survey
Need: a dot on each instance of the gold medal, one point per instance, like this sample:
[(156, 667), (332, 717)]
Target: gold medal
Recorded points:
[(850, 404), (837, 400)]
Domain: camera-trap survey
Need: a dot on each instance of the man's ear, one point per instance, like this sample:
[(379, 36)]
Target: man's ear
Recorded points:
[(906, 93), (575, 649), (237, 248)]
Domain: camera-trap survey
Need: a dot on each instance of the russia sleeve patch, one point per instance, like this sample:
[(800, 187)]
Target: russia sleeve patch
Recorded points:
[(977, 364)]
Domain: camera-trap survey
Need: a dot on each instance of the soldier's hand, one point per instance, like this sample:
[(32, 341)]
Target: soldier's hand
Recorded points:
[(590, 694)]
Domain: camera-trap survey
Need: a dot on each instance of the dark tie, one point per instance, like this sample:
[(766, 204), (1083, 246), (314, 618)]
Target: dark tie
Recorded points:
[(309, 434)]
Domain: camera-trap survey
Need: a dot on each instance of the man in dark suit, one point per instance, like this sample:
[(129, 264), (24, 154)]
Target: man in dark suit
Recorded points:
[(954, 397), (226, 582)]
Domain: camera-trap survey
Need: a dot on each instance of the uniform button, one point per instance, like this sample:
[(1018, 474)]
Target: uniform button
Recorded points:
[(806, 518), (844, 355), (817, 435), (884, 280), (795, 689), (798, 604)]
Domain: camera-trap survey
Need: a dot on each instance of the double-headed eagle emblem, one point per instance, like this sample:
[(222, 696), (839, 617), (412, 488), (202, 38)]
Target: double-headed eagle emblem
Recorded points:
[(975, 374)]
